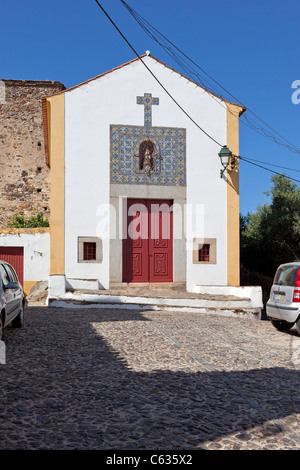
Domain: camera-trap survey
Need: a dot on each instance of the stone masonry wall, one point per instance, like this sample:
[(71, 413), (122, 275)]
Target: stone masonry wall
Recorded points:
[(24, 175)]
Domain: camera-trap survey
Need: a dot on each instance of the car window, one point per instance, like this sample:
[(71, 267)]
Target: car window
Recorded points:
[(11, 273), (4, 275), (286, 275)]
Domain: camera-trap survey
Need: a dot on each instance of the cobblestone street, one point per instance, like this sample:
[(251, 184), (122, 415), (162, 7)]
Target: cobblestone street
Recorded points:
[(119, 379)]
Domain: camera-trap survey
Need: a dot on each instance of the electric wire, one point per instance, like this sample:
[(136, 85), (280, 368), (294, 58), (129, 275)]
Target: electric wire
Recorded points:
[(182, 109), (154, 76), (273, 164), (166, 43), (267, 169)]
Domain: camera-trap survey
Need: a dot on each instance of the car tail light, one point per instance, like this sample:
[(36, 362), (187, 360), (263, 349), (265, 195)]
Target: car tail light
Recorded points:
[(296, 297), (276, 276)]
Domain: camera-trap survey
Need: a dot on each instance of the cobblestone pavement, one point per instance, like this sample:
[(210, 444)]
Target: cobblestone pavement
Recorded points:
[(116, 379)]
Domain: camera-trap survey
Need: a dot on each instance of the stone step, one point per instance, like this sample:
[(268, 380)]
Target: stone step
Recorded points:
[(158, 299)]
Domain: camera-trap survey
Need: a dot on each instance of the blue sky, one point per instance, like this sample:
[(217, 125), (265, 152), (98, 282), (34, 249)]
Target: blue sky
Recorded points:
[(251, 48)]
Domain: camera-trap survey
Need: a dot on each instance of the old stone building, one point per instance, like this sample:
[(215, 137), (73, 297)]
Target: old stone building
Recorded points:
[(24, 175)]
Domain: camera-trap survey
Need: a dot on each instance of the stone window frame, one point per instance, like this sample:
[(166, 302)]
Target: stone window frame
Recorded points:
[(198, 243), (99, 250)]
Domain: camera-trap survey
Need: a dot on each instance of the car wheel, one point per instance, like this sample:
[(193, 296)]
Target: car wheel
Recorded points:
[(1, 326), (19, 320), (282, 325), (298, 325)]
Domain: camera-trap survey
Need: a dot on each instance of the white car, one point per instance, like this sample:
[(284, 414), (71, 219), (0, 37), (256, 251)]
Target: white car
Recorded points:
[(12, 300), (283, 306)]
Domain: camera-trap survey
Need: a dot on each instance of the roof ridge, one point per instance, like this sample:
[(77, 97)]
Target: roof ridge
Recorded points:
[(98, 76), (147, 54)]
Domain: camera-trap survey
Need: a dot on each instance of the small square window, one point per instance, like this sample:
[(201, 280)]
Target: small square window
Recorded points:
[(203, 254), (204, 251), (89, 251)]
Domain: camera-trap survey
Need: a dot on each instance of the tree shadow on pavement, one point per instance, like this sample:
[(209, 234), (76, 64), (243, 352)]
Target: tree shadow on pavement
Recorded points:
[(65, 387)]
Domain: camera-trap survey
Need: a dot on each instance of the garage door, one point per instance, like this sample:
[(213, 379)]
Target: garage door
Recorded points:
[(14, 255)]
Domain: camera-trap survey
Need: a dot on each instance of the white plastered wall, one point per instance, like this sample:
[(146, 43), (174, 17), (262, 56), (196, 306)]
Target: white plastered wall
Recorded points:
[(36, 248), (111, 99)]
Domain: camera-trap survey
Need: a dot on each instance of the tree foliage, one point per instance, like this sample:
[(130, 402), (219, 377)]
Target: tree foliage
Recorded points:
[(36, 220), (271, 235)]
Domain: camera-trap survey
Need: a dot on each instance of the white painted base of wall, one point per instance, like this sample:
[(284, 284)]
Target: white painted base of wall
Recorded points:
[(83, 284), (56, 286), (254, 293)]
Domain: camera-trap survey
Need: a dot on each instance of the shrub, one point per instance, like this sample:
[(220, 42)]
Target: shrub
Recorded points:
[(36, 220)]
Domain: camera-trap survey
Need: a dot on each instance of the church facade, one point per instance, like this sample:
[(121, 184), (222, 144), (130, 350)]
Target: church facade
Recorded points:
[(136, 192)]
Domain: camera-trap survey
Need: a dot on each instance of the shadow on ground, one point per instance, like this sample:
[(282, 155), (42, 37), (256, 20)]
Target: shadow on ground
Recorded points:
[(63, 387)]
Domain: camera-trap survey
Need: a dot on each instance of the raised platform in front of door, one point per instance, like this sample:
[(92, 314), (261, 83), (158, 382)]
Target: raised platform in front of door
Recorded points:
[(244, 302)]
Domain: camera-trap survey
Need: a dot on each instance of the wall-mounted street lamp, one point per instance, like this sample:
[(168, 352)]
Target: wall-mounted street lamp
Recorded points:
[(225, 156)]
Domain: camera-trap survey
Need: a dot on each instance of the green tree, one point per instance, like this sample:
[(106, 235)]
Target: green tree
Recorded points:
[(271, 235)]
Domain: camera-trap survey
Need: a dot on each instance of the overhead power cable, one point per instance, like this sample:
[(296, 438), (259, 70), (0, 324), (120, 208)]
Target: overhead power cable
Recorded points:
[(267, 169), (158, 81), (273, 164), (173, 99), (172, 50)]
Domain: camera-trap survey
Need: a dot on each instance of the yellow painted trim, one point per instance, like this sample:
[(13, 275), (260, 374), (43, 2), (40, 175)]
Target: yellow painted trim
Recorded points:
[(27, 286), (233, 206), (19, 231), (56, 122)]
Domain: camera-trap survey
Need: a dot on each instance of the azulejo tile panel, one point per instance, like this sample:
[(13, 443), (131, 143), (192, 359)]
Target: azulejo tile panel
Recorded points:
[(168, 158)]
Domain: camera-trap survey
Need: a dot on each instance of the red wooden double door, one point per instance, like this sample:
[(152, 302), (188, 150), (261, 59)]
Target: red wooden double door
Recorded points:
[(148, 243)]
